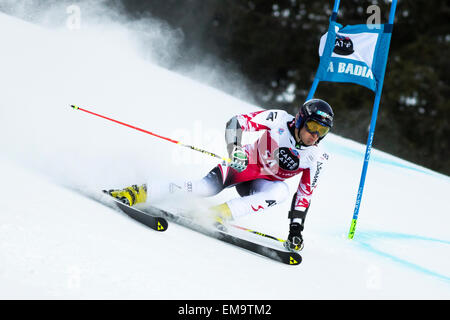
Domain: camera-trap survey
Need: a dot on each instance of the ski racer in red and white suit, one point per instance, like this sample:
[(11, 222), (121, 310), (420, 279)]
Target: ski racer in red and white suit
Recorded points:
[(276, 156), (287, 146)]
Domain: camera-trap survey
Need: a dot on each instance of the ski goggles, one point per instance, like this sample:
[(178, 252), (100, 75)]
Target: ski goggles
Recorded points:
[(315, 127)]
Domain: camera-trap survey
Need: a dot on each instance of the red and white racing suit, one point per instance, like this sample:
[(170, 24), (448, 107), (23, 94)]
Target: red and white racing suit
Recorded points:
[(273, 157)]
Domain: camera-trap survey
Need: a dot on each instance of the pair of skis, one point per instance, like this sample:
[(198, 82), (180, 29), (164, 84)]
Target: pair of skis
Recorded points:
[(156, 219)]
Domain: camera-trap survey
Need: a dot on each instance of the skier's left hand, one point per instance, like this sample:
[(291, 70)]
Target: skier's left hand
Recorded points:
[(295, 239), (239, 159)]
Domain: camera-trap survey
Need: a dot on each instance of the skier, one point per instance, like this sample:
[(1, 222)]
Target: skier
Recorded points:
[(288, 146)]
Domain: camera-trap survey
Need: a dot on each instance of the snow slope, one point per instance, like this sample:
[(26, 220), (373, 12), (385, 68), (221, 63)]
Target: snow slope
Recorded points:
[(56, 243)]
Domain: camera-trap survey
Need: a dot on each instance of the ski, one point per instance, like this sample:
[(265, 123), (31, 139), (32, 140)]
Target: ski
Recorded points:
[(286, 257), (155, 222)]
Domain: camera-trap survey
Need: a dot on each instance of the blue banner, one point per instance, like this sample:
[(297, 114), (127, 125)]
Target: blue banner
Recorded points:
[(356, 54)]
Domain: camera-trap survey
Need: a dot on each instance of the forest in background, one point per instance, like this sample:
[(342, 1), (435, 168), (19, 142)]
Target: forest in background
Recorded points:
[(269, 49), (274, 45)]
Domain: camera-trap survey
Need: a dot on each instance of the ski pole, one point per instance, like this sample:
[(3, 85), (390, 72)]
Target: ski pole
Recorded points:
[(228, 160), (258, 233)]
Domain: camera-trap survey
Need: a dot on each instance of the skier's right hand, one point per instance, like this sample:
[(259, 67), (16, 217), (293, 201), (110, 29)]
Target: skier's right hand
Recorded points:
[(294, 241), (239, 159)]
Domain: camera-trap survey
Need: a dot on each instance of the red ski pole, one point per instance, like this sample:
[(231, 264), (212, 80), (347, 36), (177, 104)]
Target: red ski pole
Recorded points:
[(154, 134)]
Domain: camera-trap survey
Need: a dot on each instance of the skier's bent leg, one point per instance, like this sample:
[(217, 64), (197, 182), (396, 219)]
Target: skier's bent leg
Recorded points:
[(260, 195)]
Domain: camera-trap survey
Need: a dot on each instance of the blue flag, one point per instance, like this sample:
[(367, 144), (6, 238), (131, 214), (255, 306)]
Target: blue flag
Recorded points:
[(355, 54)]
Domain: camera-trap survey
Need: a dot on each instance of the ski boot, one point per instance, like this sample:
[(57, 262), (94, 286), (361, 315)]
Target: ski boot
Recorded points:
[(130, 195), (220, 215)]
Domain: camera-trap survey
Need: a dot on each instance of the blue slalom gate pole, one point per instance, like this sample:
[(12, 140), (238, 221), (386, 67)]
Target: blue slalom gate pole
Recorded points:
[(371, 132), (316, 81)]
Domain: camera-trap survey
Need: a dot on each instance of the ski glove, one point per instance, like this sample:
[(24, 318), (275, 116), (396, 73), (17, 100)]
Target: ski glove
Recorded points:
[(295, 240), (239, 159)]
